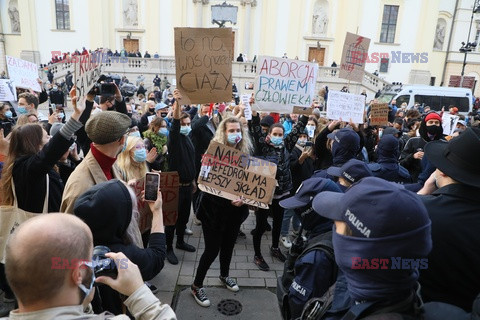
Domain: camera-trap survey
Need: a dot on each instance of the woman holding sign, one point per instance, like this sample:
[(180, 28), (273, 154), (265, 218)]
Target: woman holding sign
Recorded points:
[(221, 218)]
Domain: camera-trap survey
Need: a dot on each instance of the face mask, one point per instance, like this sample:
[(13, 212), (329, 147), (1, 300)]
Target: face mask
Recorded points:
[(185, 130), (86, 291), (8, 114), (434, 132), (310, 130), (22, 110), (276, 141), (129, 114), (163, 132), (140, 155), (61, 115), (135, 134), (124, 146), (151, 99), (380, 134), (55, 88), (302, 142), (151, 110), (234, 138)]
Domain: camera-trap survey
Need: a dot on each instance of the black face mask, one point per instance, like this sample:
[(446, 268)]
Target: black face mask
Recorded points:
[(151, 99), (434, 131), (129, 114), (163, 114), (151, 110), (111, 108)]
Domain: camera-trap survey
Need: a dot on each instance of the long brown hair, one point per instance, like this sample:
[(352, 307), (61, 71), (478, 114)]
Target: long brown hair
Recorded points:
[(25, 140)]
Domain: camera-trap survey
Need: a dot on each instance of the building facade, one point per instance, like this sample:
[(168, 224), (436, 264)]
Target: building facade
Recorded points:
[(415, 41)]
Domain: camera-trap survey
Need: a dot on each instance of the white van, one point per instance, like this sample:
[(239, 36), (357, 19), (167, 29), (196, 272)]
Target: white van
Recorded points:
[(435, 97)]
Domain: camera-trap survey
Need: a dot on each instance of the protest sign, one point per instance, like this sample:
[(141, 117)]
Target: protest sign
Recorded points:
[(88, 68), (345, 106), (169, 183), (354, 56), (231, 174), (282, 84), (246, 103), (203, 59), (449, 123), (7, 90), (379, 114), (23, 73)]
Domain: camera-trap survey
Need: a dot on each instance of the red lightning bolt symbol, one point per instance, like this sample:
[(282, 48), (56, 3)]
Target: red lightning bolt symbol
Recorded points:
[(359, 40)]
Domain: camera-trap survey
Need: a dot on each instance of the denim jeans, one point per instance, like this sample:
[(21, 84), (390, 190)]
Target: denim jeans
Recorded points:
[(287, 215)]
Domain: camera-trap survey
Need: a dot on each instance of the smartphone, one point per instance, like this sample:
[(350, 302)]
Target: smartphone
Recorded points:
[(7, 128), (51, 108), (152, 184)]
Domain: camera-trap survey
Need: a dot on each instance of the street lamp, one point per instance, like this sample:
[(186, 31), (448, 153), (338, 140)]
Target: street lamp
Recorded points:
[(469, 46), (223, 13)]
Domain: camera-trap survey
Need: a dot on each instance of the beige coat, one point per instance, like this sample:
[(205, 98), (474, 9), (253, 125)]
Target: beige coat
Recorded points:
[(85, 176)]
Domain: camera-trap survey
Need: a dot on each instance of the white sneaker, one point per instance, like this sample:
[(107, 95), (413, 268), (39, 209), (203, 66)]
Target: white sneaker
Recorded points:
[(286, 242), (188, 232)]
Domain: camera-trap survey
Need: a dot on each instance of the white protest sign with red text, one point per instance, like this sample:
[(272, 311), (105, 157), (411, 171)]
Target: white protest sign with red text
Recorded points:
[(23, 73)]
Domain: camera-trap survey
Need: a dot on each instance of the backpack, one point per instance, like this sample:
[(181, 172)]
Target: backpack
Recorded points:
[(295, 287)]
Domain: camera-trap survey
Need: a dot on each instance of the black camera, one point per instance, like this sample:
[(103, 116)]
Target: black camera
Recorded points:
[(104, 86), (102, 265)]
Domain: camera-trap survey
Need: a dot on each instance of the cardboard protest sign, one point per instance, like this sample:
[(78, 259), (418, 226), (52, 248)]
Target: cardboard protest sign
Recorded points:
[(245, 98), (449, 123), (203, 59), (7, 90), (169, 183), (354, 56), (281, 84), (345, 106), (88, 68), (229, 173), (379, 114), (23, 73)]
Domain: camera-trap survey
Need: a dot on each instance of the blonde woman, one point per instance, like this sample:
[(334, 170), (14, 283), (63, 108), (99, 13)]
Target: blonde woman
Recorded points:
[(221, 218), (132, 161)]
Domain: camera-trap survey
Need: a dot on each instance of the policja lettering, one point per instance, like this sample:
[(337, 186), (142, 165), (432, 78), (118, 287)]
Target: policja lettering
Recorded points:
[(299, 288), (357, 224)]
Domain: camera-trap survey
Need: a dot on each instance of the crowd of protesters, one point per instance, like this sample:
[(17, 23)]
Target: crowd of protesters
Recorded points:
[(362, 181)]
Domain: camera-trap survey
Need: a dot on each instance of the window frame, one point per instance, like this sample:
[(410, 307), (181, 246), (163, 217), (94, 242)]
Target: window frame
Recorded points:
[(389, 24), (61, 14)]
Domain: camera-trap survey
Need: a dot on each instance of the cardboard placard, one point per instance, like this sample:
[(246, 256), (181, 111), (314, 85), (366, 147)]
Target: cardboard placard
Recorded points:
[(379, 114), (354, 56), (203, 59), (281, 84), (229, 173), (169, 183), (305, 110), (23, 73), (449, 123), (245, 98), (88, 68), (345, 106), (7, 90)]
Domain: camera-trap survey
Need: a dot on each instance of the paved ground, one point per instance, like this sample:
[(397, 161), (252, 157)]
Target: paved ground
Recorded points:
[(172, 279)]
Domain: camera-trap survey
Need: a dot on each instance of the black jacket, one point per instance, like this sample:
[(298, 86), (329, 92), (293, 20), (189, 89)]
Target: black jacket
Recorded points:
[(219, 213), (29, 176), (299, 171), (143, 125), (453, 275), (181, 153), (201, 136), (414, 166), (279, 156)]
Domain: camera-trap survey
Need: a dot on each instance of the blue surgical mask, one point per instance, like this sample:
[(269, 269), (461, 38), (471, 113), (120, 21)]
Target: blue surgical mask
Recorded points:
[(22, 110), (140, 155), (8, 114), (234, 138), (61, 115), (302, 142), (135, 134), (124, 145), (86, 291), (185, 130), (164, 132), (276, 141)]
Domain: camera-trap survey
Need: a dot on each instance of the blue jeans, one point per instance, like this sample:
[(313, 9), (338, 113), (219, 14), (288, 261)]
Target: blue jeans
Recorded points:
[(287, 215)]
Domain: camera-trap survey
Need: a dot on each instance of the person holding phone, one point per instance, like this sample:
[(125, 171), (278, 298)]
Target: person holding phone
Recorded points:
[(221, 218), (110, 210)]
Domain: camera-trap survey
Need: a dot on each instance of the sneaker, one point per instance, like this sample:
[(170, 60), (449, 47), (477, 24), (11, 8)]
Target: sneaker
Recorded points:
[(230, 283), (277, 253), (286, 242), (171, 257), (200, 296), (261, 264), (188, 232), (241, 235), (185, 247), (196, 221), (152, 288)]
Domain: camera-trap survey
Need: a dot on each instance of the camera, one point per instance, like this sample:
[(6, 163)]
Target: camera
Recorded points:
[(103, 266), (104, 86)]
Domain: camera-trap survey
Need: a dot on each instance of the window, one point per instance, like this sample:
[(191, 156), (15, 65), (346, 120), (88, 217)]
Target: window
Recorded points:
[(437, 102), (389, 24), (401, 99), (384, 64), (62, 11)]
